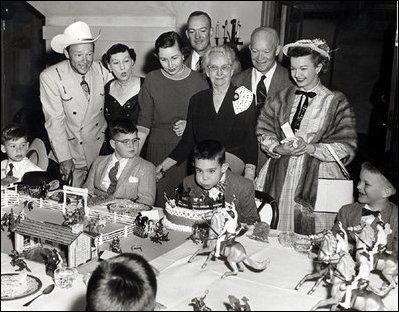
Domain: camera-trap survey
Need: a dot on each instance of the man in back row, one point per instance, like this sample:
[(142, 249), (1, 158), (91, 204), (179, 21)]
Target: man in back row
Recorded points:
[(267, 76), (199, 32)]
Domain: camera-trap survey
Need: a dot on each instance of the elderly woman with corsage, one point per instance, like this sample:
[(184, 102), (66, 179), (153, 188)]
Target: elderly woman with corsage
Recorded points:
[(223, 113), (317, 117)]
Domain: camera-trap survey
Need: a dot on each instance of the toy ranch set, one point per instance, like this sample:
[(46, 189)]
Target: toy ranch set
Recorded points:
[(64, 223)]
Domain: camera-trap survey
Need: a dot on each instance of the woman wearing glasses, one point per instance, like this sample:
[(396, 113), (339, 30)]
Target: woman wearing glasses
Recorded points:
[(223, 113), (164, 99)]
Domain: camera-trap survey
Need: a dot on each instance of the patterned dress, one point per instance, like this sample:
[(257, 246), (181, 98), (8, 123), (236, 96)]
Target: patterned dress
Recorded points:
[(292, 180)]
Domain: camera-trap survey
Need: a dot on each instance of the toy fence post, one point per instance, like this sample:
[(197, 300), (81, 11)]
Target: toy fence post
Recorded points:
[(125, 232), (100, 240), (114, 216), (41, 203)]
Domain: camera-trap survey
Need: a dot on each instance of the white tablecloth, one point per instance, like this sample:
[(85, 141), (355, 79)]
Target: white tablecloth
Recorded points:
[(272, 289), (179, 282)]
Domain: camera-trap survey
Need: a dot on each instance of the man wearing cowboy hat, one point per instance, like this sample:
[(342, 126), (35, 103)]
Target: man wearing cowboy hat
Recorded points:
[(72, 96)]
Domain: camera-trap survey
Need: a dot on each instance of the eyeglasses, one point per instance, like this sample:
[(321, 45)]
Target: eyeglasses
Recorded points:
[(127, 141), (224, 68)]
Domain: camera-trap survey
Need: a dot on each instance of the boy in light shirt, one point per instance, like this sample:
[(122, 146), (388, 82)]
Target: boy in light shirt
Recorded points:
[(14, 142)]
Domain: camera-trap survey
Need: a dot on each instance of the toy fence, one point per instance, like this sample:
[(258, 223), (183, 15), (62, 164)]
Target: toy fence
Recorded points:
[(102, 238)]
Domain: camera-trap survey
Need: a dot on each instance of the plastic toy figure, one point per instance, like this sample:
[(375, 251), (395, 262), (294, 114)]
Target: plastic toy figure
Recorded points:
[(235, 304), (199, 303), (159, 235), (229, 229), (16, 260), (116, 246), (233, 251)]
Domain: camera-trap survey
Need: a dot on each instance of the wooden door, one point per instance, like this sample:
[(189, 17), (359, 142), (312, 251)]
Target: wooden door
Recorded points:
[(22, 60)]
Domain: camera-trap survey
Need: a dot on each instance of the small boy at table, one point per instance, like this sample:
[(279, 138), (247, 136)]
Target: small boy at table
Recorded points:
[(211, 172), (373, 202), (14, 142), (125, 282), (123, 174)]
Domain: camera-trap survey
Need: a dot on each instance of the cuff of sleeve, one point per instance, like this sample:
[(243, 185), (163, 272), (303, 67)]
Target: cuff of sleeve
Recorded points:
[(270, 150)]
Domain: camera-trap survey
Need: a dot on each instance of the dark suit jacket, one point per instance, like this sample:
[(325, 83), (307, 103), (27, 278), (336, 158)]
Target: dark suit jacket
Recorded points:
[(135, 167), (280, 80), (238, 189)]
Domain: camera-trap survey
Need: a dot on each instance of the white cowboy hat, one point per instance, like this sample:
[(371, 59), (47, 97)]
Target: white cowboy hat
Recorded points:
[(76, 33), (37, 154)]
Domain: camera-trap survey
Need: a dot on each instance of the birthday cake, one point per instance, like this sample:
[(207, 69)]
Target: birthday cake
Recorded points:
[(186, 209)]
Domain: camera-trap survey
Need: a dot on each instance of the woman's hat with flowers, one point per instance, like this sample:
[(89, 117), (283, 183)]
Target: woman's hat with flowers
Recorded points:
[(318, 45)]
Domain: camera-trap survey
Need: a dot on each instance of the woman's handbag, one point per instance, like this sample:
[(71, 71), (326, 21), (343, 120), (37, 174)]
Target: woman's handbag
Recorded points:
[(332, 194)]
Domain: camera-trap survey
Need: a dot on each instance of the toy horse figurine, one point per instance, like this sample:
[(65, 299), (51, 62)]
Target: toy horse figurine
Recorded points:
[(362, 299), (233, 251), (327, 256), (384, 262)]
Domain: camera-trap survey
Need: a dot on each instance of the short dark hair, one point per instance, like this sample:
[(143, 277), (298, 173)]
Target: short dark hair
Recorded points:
[(383, 169), (199, 13), (210, 149), (13, 132), (317, 58), (121, 125), (125, 282), (117, 48), (167, 40)]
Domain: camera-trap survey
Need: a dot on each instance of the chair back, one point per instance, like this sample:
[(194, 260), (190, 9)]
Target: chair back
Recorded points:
[(267, 208)]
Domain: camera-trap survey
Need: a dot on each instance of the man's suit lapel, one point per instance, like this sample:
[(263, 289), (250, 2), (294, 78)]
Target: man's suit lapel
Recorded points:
[(247, 82), (104, 164), (127, 172)]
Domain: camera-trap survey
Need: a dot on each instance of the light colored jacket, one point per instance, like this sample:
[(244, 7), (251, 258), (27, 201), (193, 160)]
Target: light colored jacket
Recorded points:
[(75, 126), (136, 167)]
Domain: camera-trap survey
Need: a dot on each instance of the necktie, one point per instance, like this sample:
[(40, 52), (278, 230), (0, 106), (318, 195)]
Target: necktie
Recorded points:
[(85, 87), (10, 173), (368, 212), (112, 177), (261, 93), (301, 109), (198, 67)]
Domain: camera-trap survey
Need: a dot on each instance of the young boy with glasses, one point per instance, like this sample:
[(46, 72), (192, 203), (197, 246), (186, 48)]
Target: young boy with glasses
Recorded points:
[(123, 174)]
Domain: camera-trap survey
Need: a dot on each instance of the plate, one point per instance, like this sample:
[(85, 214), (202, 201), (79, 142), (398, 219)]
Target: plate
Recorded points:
[(127, 207), (13, 287)]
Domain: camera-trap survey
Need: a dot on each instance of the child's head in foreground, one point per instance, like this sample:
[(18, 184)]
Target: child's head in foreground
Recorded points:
[(123, 138), (209, 163), (14, 142), (373, 186), (125, 282)]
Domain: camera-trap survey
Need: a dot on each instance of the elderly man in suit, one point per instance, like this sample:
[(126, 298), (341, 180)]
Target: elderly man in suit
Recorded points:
[(72, 96), (123, 174), (267, 76), (199, 32)]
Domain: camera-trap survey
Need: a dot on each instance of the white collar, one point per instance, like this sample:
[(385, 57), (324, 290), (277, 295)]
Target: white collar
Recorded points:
[(194, 59), (269, 74)]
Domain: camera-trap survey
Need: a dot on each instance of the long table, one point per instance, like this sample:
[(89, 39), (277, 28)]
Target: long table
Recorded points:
[(180, 281)]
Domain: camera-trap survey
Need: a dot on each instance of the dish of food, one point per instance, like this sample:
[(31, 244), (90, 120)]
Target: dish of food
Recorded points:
[(125, 206), (18, 285)]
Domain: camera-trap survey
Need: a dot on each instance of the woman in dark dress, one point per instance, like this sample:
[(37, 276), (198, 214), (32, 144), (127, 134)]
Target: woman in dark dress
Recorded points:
[(121, 93), (223, 113)]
